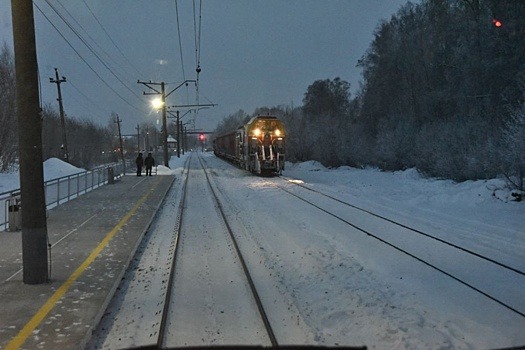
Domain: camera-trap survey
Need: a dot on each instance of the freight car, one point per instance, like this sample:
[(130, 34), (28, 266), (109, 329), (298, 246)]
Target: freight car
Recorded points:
[(258, 146)]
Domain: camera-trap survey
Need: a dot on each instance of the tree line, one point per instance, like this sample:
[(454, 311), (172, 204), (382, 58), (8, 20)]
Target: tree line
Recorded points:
[(443, 91), (89, 144)]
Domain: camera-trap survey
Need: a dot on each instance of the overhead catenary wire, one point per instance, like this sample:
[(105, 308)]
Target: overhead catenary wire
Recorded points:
[(197, 33), (180, 49), (180, 41)]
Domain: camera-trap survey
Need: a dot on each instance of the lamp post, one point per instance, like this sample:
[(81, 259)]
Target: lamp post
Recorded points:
[(162, 105)]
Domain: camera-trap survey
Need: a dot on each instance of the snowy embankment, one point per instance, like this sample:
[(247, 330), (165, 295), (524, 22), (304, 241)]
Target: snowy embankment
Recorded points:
[(354, 290), (53, 168), (486, 202)]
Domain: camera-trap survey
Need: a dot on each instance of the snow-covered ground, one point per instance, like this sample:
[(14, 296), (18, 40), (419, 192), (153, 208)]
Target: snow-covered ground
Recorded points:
[(53, 168), (350, 295), (352, 289)]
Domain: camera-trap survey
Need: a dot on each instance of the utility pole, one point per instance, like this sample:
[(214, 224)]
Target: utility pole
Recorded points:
[(163, 96), (34, 222), (178, 135), (146, 142), (178, 123), (58, 81), (185, 140), (138, 138), (121, 145)]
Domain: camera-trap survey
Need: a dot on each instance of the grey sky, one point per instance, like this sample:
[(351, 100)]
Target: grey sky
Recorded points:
[(253, 53)]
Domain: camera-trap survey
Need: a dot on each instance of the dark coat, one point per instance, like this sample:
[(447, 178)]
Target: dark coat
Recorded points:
[(139, 161), (149, 161)]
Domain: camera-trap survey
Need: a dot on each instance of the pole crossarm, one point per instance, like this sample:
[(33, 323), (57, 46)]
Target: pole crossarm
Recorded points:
[(184, 82), (173, 115), (184, 106), (148, 83), (58, 81), (197, 132)]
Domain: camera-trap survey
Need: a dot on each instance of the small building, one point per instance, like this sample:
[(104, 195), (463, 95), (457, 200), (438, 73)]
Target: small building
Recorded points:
[(172, 143)]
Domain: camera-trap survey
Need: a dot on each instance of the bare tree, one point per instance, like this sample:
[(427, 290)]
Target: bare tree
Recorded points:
[(514, 150), (9, 129)]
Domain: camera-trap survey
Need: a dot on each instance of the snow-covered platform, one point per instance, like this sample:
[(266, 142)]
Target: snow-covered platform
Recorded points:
[(93, 239)]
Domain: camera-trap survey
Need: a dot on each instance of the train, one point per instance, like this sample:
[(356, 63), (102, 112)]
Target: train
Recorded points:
[(257, 146)]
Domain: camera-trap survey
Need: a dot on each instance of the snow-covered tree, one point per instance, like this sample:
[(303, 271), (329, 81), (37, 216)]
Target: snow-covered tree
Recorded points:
[(8, 121), (514, 150)]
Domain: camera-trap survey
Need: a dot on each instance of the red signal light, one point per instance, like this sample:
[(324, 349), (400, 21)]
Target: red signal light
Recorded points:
[(201, 137), (497, 23)]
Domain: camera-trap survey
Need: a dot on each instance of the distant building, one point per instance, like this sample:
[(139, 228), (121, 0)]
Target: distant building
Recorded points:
[(172, 143)]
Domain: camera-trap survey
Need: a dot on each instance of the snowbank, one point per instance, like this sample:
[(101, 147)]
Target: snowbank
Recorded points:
[(55, 168)]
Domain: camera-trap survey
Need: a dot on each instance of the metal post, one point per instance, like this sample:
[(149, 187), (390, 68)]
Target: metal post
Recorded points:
[(121, 146), (164, 124), (184, 140), (178, 135)]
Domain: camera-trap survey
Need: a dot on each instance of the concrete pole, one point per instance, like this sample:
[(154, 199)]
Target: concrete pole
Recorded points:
[(34, 222), (164, 124)]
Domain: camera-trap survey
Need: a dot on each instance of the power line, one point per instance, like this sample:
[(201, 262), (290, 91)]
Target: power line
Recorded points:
[(180, 41), (107, 55), (111, 39), (90, 48), (197, 49), (82, 58), (197, 33), (180, 49), (93, 103)]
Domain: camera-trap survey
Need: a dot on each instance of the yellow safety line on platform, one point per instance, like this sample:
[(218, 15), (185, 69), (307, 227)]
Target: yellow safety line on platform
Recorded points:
[(22, 336)]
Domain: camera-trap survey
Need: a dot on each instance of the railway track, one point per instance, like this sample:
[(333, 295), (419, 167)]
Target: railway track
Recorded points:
[(207, 295), (209, 301), (216, 230), (431, 259)]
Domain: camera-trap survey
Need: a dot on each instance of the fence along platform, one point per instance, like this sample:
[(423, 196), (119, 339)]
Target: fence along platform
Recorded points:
[(93, 239)]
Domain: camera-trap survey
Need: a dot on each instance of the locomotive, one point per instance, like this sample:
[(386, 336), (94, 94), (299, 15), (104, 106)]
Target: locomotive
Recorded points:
[(258, 146)]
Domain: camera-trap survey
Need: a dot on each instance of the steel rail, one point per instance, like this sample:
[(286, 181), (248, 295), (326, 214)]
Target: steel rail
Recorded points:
[(411, 229), (256, 296), (169, 289), (370, 234)]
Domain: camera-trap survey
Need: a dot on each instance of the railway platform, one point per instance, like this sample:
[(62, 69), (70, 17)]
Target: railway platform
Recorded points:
[(92, 238)]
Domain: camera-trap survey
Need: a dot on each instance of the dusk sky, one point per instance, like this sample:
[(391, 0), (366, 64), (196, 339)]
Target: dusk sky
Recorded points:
[(253, 53)]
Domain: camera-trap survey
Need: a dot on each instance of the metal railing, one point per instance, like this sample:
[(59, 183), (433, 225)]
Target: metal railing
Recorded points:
[(60, 190)]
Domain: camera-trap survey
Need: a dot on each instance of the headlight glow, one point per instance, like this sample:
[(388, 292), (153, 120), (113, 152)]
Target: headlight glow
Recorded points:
[(257, 132), (277, 132)]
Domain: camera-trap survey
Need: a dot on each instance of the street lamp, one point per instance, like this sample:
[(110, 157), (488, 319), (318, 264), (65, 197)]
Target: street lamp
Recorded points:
[(162, 106), (157, 103)]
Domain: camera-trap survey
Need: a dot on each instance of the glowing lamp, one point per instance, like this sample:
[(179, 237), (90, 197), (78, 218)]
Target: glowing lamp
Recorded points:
[(497, 23), (157, 103)]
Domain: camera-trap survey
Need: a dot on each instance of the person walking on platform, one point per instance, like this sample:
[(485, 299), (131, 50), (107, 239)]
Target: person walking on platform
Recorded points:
[(149, 162), (140, 163)]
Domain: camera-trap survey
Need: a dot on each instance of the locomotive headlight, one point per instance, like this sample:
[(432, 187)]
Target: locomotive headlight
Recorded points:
[(257, 132), (277, 132)]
